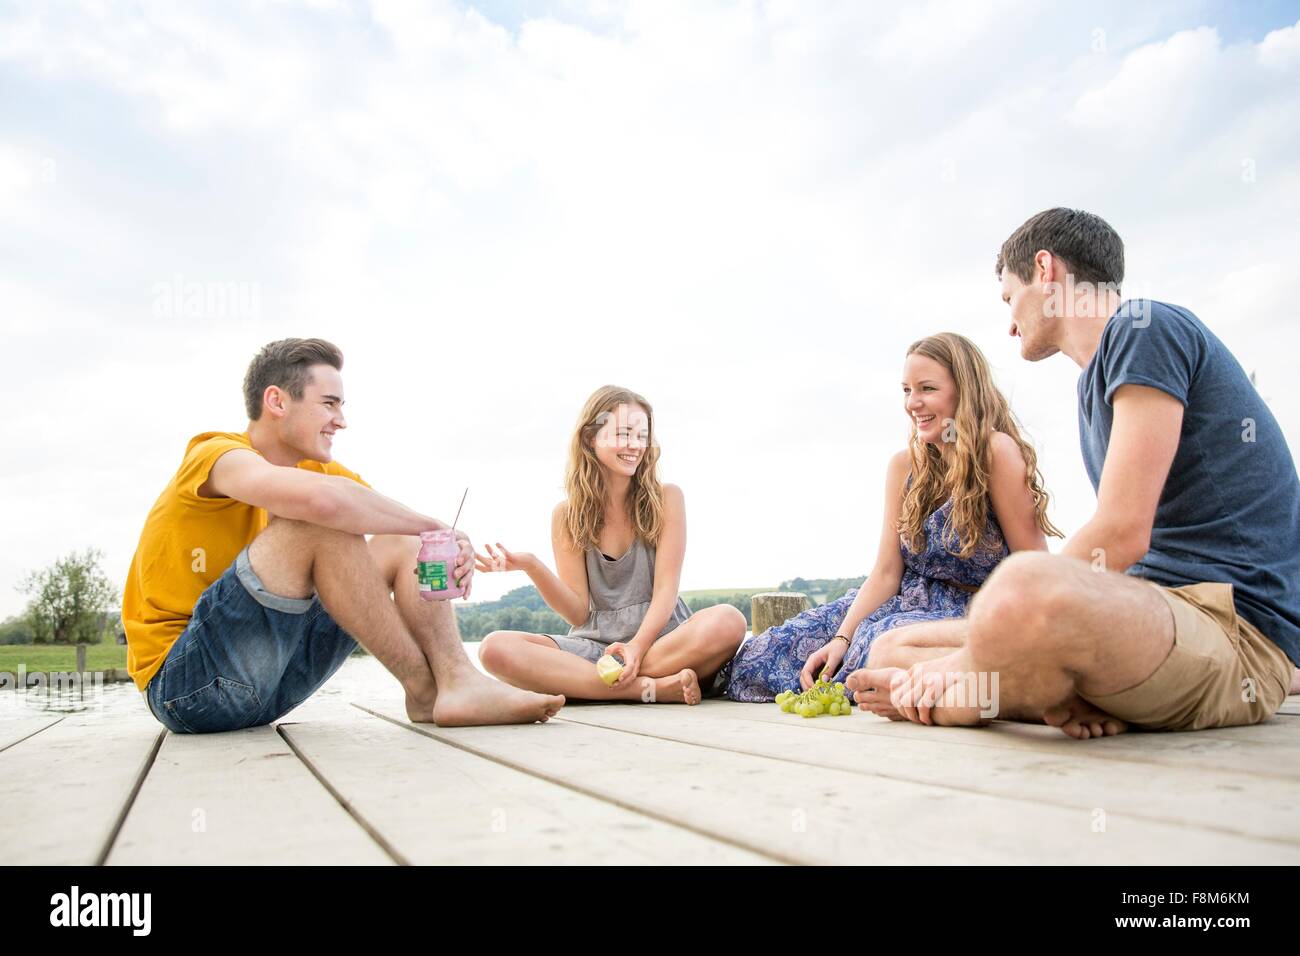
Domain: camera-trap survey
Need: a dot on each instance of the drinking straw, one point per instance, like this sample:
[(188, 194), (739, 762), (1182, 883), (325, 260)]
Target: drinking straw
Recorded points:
[(462, 505)]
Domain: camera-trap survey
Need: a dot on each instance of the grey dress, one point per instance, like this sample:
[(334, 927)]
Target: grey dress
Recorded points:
[(619, 595)]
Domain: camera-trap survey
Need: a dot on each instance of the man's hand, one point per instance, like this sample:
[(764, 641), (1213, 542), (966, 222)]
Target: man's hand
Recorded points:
[(464, 571), (915, 693), (935, 693)]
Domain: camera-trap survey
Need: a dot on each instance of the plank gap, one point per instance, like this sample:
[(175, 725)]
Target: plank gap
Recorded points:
[(396, 855), (921, 780), (145, 767), (31, 735), (766, 853)]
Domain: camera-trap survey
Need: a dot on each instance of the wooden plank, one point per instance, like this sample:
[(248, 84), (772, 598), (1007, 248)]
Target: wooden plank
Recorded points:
[(1271, 748), (240, 797), (772, 806), (1291, 706), (16, 729), (1229, 802), (435, 804), (63, 790)]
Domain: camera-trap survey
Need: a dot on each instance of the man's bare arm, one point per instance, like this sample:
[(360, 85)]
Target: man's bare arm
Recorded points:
[(327, 500), (1143, 441)]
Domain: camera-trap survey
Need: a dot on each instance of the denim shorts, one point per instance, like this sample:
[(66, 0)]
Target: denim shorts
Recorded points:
[(247, 657)]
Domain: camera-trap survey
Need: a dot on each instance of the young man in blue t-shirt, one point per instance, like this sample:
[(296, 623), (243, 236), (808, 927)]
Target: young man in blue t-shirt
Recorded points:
[(1177, 606)]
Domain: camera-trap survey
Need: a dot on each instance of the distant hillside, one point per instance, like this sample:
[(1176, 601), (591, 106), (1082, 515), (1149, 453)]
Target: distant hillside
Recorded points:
[(519, 610), (524, 610), (822, 590)]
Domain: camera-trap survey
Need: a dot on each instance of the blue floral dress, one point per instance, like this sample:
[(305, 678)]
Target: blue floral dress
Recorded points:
[(770, 662)]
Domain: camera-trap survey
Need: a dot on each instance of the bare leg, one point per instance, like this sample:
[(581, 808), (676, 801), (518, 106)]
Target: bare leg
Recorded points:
[(432, 624), (533, 661), (295, 558), (898, 650), (1052, 629), (703, 643), (1295, 682)]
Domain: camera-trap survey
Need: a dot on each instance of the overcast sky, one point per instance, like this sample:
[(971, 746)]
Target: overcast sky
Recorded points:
[(745, 211)]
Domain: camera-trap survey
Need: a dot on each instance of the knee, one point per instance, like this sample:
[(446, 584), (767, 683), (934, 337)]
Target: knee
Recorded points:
[(494, 651), (405, 545), (393, 552), (728, 628), (882, 649), (1018, 605), (305, 534)]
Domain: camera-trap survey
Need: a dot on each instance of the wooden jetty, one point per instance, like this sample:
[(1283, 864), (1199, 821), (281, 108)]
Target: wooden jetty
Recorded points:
[(353, 782)]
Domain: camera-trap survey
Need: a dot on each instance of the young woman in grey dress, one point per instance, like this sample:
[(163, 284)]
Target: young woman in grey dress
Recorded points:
[(619, 539)]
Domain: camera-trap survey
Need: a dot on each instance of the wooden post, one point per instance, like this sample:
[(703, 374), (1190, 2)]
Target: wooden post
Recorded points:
[(775, 607), (81, 658)]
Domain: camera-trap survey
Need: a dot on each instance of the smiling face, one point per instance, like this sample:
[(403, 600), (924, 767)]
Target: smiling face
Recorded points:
[(620, 444), (307, 425), (929, 396), (1029, 320)]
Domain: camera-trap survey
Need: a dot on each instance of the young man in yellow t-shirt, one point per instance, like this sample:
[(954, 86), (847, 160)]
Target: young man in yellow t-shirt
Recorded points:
[(254, 580)]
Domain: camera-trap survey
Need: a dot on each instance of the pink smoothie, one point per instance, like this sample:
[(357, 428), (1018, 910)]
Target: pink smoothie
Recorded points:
[(435, 564)]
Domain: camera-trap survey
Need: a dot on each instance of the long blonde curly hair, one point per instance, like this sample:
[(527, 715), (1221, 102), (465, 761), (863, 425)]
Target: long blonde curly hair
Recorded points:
[(584, 482), (963, 475)]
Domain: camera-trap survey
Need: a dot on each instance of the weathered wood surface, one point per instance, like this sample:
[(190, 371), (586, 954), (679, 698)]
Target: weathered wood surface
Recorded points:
[(63, 791), (1067, 773), (240, 797), (1271, 749), (342, 780), (450, 806), (771, 608), (16, 729), (801, 814)]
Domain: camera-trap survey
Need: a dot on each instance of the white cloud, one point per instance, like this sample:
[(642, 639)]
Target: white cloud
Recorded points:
[(746, 211)]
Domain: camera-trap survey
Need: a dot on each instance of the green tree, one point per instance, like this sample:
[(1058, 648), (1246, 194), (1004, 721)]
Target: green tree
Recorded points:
[(16, 630), (69, 599)]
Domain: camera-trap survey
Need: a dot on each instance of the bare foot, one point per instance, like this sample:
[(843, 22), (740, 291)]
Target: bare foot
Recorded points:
[(1081, 720), (954, 708), (937, 697), (1295, 682), (474, 700), (870, 688), (681, 688)]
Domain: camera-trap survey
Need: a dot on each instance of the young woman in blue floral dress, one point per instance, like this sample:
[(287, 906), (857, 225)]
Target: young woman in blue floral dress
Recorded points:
[(964, 493)]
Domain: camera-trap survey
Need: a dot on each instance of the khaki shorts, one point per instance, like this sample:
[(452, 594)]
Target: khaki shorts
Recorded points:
[(1221, 672)]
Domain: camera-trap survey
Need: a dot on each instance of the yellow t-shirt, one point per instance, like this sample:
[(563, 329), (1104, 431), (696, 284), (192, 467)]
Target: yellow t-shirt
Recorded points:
[(187, 543)]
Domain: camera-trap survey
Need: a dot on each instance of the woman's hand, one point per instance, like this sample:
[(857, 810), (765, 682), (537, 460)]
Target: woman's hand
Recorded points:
[(631, 654), (827, 658), (503, 560)]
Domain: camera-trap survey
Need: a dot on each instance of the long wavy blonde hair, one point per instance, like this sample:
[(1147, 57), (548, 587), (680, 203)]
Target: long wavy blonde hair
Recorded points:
[(963, 475), (584, 482)]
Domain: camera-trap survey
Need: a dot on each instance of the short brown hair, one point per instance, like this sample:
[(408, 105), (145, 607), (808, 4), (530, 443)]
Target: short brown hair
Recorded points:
[(1090, 247), (287, 364)]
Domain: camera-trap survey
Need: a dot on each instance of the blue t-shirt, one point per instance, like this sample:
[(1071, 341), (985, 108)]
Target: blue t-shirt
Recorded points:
[(1230, 508)]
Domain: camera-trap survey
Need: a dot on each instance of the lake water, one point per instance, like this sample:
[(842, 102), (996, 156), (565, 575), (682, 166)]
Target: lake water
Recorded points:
[(360, 678)]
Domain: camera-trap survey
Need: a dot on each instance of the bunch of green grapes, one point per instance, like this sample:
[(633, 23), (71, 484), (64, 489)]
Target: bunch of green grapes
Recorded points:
[(822, 698)]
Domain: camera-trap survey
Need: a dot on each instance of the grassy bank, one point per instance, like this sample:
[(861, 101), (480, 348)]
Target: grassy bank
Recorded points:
[(61, 657), (715, 593)]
